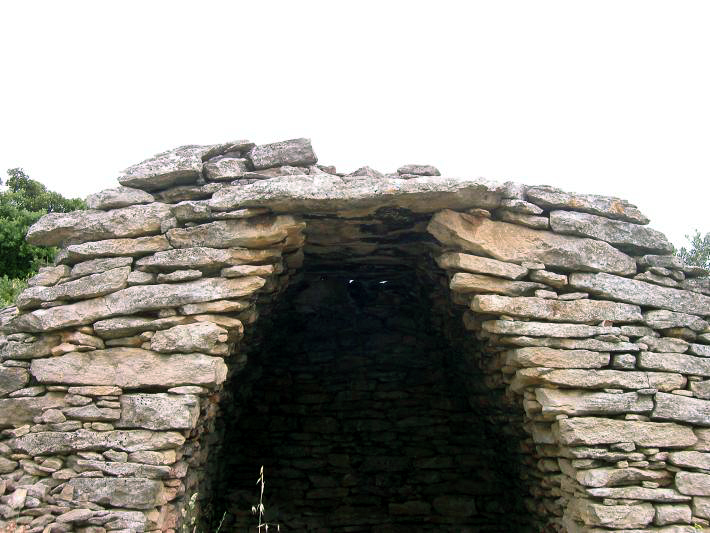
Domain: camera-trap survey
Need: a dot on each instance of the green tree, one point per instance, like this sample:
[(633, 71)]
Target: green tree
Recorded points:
[(699, 252), (21, 205)]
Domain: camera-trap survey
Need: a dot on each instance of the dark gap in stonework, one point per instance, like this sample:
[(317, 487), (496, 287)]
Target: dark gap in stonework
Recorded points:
[(365, 418)]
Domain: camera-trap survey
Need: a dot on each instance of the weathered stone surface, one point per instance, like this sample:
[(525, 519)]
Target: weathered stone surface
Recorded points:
[(326, 193), (675, 362), (56, 442), (220, 306), (523, 219), (29, 350), (192, 211), (180, 166), (122, 469), (512, 243), (703, 350), (159, 411), (12, 379), (118, 197), (92, 413), (480, 265), (116, 328), (615, 517), (419, 170), (19, 411), (635, 238), (580, 403), (520, 206), (672, 514), (179, 276), (78, 227), (134, 300), (664, 344), (204, 337), (89, 286), (607, 206), (95, 266), (237, 271), (638, 493), (701, 507), (597, 379), (226, 168), (130, 368), (583, 431), (208, 259), (641, 293), (690, 459), (465, 283), (253, 233), (545, 329), (548, 357), (693, 484), (682, 409), (572, 344), (296, 152), (98, 390), (48, 275), (134, 493), (116, 247), (609, 477), (583, 311)]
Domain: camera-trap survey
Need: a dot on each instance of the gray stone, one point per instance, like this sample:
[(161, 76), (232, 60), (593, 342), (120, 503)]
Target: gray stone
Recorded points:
[(130, 368), (549, 278), (250, 233), (78, 227), (641, 293), (638, 493), (480, 265), (609, 477), (701, 389), (662, 319), (520, 206), (122, 327), (296, 152), (140, 278), (159, 411), (581, 431), (249, 270), (122, 468), (545, 329), (325, 193), (672, 514), (116, 247), (674, 362), (179, 276), (180, 166), (580, 403), (134, 300), (522, 219), (59, 442), (582, 311), (634, 238), (118, 197), (693, 484), (664, 344), (95, 266), (12, 379), (466, 283), (98, 390), (508, 242), (596, 379), (204, 337), (48, 275), (207, 259), (367, 172), (89, 286), (134, 493), (690, 459), (572, 344), (226, 168), (29, 350), (615, 517), (701, 507), (656, 279), (190, 211), (19, 411), (92, 413), (547, 357), (681, 409), (419, 170), (703, 350), (607, 206)]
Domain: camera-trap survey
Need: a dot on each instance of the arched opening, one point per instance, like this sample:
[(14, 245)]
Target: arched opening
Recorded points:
[(366, 401)]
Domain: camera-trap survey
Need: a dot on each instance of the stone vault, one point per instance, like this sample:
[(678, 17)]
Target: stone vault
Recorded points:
[(402, 352)]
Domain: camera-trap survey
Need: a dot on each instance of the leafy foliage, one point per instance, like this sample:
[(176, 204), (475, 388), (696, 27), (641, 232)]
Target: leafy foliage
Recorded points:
[(9, 289), (699, 252), (21, 205)]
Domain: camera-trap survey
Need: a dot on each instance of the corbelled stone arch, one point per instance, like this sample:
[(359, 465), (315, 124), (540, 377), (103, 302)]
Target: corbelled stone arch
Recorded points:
[(573, 309)]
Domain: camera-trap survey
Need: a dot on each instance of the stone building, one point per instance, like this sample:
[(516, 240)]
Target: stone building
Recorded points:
[(400, 352)]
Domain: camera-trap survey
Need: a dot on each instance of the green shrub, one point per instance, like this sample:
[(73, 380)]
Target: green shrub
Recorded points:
[(9, 289)]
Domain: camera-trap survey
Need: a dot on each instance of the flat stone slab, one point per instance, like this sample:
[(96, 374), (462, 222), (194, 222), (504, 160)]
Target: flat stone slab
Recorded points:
[(181, 166), (326, 193), (596, 379), (118, 197), (159, 411), (54, 229), (135, 300), (466, 283), (583, 431), (201, 257), (130, 368), (480, 265), (296, 152), (545, 329), (582, 311), (639, 493), (693, 484), (551, 358), (641, 293), (252, 233), (675, 362), (681, 409), (517, 244), (114, 247), (19, 411), (133, 493), (580, 403), (60, 442)]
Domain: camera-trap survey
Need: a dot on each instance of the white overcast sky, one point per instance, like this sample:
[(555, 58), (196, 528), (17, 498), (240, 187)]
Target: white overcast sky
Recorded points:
[(604, 97)]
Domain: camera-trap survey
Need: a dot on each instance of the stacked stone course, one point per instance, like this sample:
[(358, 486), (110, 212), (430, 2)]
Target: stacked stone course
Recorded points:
[(593, 337)]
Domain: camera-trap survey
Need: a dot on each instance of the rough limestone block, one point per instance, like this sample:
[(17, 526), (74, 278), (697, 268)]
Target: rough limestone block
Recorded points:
[(585, 431), (515, 244), (204, 337), (672, 514), (203, 258), (580, 403), (466, 283), (48, 275), (610, 476), (675, 362), (613, 516), (639, 493), (296, 152), (251, 233), (118, 197), (480, 265), (690, 459), (15, 412), (12, 379), (57, 442), (545, 329), (180, 166), (159, 411), (693, 483), (682, 409), (596, 379), (133, 493), (551, 358), (115, 247)]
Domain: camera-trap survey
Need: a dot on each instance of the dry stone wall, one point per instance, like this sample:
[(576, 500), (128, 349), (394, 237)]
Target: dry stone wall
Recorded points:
[(590, 338)]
